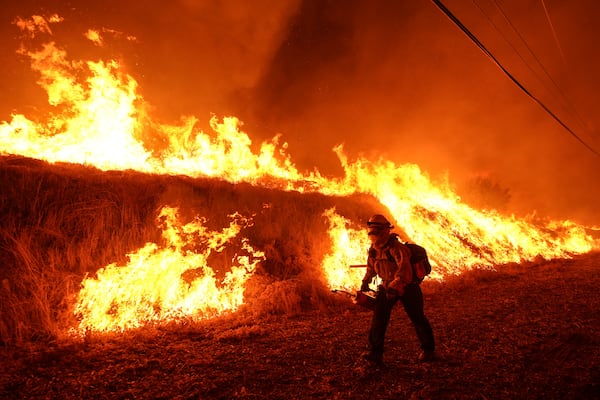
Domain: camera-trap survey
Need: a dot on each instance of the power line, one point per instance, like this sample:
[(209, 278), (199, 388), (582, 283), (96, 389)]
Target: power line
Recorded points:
[(553, 32), (567, 103), (482, 47)]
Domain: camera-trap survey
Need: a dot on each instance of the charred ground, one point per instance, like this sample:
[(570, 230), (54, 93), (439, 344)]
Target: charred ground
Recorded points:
[(519, 332)]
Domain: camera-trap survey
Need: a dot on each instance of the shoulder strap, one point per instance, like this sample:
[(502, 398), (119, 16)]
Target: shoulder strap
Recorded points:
[(393, 238)]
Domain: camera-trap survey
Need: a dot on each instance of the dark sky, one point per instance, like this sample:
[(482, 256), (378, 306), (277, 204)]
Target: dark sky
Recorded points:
[(387, 78)]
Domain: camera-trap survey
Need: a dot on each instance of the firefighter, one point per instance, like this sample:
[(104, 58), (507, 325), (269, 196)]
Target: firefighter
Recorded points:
[(390, 260)]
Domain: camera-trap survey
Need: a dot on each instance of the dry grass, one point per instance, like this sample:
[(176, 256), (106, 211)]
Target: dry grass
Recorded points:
[(61, 222), (55, 226)]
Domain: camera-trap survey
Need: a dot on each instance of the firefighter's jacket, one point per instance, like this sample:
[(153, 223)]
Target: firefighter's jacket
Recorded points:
[(391, 263)]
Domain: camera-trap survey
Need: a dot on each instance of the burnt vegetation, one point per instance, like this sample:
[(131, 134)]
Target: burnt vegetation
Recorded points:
[(520, 331)]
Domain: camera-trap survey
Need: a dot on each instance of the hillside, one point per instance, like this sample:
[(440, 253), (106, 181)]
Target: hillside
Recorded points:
[(61, 223), (524, 332)]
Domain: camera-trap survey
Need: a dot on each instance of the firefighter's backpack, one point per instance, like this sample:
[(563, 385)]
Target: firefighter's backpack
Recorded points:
[(419, 261)]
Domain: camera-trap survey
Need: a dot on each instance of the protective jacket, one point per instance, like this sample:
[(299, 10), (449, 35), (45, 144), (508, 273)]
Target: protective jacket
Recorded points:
[(391, 263)]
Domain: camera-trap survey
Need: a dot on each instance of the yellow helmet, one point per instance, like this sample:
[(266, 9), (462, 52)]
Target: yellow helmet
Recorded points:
[(379, 221)]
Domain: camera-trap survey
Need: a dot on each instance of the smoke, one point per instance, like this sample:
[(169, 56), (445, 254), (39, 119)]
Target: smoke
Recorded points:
[(190, 57), (387, 79), (195, 56), (399, 80)]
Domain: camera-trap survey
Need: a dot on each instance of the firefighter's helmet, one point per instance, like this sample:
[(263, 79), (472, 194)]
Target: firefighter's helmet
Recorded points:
[(379, 221)]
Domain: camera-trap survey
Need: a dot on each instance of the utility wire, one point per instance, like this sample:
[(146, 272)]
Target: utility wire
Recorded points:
[(482, 47), (553, 32), (567, 103)]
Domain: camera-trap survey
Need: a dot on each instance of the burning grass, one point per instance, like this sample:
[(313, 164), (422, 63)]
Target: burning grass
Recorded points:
[(61, 223), (525, 330)]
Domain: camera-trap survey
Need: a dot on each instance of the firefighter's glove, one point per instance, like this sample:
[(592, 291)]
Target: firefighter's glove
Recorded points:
[(365, 286), (391, 293)]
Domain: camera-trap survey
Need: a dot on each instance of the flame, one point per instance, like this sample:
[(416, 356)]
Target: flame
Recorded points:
[(348, 252), (99, 119), (95, 37), (97, 124), (153, 288), (458, 237)]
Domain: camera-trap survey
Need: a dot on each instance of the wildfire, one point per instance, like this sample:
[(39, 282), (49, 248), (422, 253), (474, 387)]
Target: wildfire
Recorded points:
[(100, 120), (156, 285)]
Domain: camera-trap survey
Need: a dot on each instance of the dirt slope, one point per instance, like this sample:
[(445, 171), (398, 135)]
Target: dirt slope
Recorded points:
[(524, 332)]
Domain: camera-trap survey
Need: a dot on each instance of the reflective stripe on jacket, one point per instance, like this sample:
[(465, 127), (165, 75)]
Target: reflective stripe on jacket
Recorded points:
[(391, 263)]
